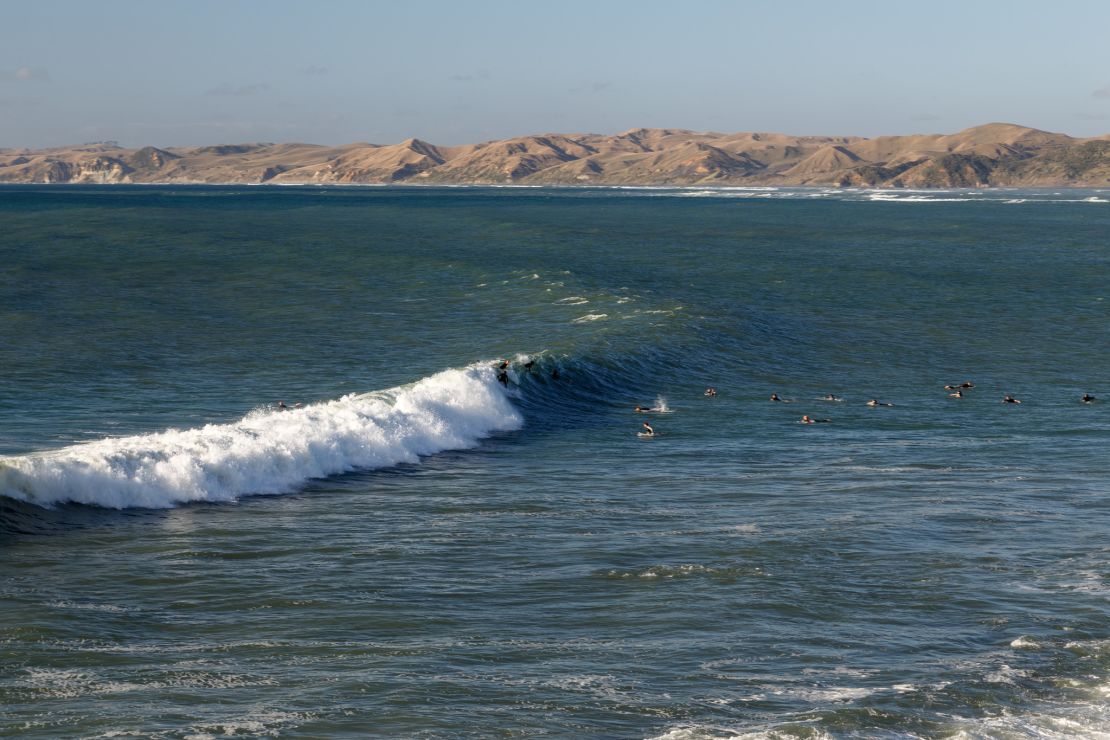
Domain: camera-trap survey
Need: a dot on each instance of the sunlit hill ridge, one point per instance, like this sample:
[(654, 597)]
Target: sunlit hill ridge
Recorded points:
[(996, 154)]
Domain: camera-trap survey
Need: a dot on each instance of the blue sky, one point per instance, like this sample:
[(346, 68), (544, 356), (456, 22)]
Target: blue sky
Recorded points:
[(177, 73)]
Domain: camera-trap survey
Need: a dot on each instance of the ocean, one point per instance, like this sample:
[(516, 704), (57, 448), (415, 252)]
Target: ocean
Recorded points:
[(418, 546)]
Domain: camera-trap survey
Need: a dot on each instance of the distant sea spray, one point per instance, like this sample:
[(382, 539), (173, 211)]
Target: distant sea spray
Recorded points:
[(269, 451)]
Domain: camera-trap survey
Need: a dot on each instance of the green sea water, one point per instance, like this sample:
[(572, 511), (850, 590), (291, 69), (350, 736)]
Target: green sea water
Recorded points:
[(422, 549)]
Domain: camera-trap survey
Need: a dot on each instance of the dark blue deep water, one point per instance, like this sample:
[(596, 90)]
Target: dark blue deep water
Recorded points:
[(421, 550)]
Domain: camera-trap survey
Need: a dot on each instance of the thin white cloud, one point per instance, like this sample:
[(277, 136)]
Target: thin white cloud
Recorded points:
[(227, 88), (481, 74), (592, 87), (1103, 92), (25, 74)]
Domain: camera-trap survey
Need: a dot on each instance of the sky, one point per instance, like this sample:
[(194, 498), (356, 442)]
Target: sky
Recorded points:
[(195, 72)]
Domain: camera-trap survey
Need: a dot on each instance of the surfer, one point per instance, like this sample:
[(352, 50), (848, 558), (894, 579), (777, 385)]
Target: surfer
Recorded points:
[(831, 397), (504, 364), (951, 387), (1087, 398), (554, 374), (807, 420), (643, 409), (503, 378), (876, 402), (1010, 399), (710, 391), (957, 394), (775, 397), (967, 385), (648, 431), (528, 365), (281, 406)]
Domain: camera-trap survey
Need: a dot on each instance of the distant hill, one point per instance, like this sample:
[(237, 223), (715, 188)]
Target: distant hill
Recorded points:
[(997, 154)]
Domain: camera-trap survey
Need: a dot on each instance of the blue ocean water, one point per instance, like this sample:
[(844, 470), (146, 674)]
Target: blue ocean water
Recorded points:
[(418, 549)]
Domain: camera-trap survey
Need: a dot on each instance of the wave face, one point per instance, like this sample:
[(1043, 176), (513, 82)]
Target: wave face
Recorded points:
[(269, 451)]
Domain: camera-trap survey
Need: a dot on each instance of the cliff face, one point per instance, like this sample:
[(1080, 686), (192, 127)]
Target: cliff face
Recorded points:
[(992, 155)]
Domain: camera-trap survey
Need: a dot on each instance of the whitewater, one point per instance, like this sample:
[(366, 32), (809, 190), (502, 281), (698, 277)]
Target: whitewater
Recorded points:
[(269, 451)]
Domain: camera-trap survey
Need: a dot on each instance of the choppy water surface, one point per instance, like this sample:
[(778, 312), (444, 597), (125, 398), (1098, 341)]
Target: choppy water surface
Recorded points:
[(421, 550)]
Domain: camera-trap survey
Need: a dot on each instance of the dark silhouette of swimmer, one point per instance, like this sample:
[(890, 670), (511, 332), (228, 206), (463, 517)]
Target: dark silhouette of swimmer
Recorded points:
[(710, 391), (967, 385), (281, 406), (807, 420), (504, 364), (1087, 398), (1010, 399), (951, 387), (554, 374), (876, 402), (957, 394), (503, 378), (642, 409), (775, 397), (528, 365), (830, 397), (648, 430)]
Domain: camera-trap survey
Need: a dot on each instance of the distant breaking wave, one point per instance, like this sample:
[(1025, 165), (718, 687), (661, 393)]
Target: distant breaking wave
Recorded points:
[(269, 451)]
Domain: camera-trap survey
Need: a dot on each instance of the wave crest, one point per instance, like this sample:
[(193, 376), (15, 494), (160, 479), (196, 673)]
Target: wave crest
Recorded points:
[(269, 452)]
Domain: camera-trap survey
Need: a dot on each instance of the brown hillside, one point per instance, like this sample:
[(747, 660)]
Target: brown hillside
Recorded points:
[(982, 156)]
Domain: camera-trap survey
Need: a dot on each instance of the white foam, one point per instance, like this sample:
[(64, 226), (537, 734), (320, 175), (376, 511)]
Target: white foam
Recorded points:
[(664, 571), (917, 199), (269, 452), (1083, 719), (712, 732), (590, 317)]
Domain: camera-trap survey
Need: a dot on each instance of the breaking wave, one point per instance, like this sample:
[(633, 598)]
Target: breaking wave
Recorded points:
[(269, 451)]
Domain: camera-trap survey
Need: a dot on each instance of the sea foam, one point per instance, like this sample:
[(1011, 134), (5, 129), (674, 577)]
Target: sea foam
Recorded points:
[(268, 451)]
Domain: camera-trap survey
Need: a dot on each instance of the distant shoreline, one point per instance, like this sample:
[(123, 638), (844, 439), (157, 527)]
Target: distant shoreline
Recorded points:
[(996, 155), (433, 185)]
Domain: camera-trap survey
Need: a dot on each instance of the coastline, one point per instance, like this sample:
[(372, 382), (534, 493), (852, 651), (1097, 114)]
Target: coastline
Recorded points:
[(989, 156)]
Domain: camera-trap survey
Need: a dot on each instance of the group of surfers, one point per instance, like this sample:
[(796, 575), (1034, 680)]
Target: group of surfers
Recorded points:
[(957, 391)]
